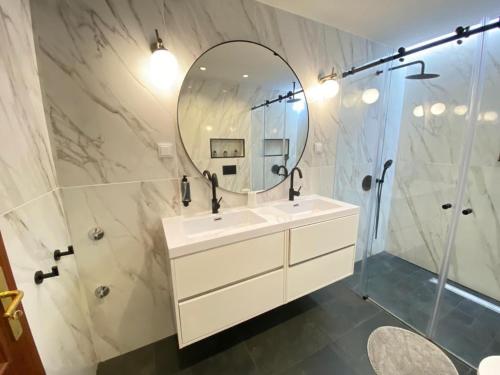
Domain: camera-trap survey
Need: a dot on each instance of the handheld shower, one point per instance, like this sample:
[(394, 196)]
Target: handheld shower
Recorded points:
[(387, 165), (380, 184)]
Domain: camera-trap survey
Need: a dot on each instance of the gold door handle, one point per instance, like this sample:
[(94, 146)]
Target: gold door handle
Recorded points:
[(11, 311)]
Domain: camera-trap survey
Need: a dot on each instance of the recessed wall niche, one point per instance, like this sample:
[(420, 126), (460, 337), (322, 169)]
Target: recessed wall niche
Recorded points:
[(227, 148), (276, 147)]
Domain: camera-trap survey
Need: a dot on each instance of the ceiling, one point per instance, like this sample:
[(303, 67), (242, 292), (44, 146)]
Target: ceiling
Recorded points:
[(395, 23)]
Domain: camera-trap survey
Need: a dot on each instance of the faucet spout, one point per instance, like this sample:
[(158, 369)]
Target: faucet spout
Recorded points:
[(214, 181), (292, 193)]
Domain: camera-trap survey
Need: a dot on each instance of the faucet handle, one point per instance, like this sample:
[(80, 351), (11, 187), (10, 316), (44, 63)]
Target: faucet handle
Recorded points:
[(298, 191), (218, 202)]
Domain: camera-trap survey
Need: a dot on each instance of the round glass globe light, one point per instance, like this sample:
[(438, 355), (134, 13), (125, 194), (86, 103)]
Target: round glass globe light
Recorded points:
[(330, 88), (163, 68)]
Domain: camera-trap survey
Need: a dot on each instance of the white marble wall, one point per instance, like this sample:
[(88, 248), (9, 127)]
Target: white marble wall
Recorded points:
[(25, 160), (105, 119), (56, 309), (130, 260), (218, 109), (32, 220)]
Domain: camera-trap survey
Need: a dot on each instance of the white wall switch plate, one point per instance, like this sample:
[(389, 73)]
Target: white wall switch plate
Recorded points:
[(165, 150), (318, 147)]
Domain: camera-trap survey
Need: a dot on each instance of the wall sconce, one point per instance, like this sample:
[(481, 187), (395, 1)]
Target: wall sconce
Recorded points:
[(329, 85), (162, 65)]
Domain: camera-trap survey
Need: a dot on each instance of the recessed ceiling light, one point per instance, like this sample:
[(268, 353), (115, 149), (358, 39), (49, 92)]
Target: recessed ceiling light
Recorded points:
[(203, 68), (245, 75)]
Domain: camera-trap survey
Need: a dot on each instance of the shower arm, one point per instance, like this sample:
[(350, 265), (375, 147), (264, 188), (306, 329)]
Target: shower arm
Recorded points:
[(422, 66)]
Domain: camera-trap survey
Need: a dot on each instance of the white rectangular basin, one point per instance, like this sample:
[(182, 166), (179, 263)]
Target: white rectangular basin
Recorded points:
[(188, 235), (230, 220), (309, 206)]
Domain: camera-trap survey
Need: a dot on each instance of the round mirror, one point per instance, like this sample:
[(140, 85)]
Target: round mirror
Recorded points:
[(243, 115)]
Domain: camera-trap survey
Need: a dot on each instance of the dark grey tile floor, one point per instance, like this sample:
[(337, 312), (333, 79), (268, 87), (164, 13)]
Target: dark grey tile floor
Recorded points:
[(323, 333), (465, 328)]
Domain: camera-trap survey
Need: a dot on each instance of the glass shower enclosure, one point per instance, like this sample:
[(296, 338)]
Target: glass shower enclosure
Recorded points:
[(429, 243)]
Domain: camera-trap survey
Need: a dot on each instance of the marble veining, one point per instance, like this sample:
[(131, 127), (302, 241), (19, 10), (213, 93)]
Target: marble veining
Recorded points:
[(25, 161), (105, 118), (55, 309), (130, 259)]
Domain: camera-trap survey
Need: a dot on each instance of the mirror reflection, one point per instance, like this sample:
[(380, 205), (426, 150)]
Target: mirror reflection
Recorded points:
[(243, 115)]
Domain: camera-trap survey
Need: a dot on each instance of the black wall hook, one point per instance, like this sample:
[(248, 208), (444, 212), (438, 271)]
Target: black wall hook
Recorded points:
[(40, 276), (58, 253)]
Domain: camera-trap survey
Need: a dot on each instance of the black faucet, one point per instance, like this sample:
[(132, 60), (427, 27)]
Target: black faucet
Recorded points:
[(215, 183), (291, 192)]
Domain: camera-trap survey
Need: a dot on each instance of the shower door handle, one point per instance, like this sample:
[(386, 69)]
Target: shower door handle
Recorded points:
[(467, 211), (446, 206)]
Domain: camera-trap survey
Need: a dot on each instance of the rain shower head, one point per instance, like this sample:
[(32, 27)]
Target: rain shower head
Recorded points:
[(291, 95), (421, 75)]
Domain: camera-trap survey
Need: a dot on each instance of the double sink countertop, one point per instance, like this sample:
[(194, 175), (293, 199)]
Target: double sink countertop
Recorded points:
[(187, 235)]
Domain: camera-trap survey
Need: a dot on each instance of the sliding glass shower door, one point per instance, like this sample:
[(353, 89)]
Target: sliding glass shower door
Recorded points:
[(429, 251), (471, 329)]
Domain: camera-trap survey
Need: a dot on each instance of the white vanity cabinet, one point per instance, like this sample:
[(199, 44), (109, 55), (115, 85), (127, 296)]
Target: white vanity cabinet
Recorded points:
[(320, 254), (220, 287), (230, 276)]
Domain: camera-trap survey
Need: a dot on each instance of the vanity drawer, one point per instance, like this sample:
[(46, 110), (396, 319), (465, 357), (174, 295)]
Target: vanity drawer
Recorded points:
[(204, 315), (314, 240), (215, 268), (314, 274)]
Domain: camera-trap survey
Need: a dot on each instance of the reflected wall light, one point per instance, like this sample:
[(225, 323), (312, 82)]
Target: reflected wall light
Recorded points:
[(438, 109), (490, 116), (370, 96), (162, 65), (299, 105), (329, 85), (460, 110), (418, 111)]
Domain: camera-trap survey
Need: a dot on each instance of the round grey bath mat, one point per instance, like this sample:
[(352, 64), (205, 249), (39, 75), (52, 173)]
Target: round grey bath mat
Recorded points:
[(396, 351)]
